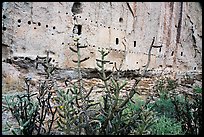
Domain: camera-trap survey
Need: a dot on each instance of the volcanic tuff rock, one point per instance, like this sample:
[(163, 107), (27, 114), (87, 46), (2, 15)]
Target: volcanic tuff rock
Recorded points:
[(125, 29)]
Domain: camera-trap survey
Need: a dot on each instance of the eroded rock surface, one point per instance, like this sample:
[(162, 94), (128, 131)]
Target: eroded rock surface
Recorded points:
[(125, 29)]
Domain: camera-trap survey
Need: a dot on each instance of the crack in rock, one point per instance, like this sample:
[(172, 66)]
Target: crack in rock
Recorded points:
[(193, 36)]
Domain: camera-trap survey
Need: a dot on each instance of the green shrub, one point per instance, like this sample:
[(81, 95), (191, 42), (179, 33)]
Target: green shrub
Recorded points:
[(183, 107), (197, 89), (164, 106), (144, 122), (25, 111), (67, 113), (132, 109), (139, 117), (189, 112), (166, 126)]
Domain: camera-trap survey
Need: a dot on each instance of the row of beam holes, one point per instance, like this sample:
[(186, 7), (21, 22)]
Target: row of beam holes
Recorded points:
[(112, 49), (117, 40), (118, 50), (77, 9), (39, 24), (120, 20)]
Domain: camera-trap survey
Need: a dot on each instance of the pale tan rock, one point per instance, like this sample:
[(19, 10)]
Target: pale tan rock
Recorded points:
[(11, 79), (125, 29)]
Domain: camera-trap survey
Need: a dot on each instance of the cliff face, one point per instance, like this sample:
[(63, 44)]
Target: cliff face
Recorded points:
[(126, 29)]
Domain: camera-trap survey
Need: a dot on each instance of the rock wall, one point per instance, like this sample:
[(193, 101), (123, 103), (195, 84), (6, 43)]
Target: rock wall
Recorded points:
[(125, 29)]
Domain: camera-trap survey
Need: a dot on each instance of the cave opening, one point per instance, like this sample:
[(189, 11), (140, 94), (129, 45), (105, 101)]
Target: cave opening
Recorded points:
[(76, 8)]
